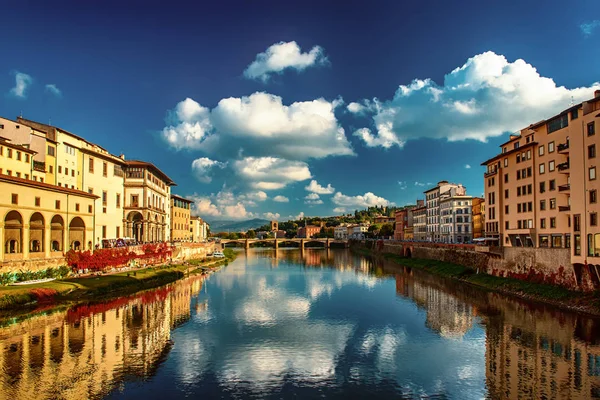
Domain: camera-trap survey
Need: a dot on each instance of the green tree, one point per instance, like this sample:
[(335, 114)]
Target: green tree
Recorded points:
[(251, 234), (386, 230)]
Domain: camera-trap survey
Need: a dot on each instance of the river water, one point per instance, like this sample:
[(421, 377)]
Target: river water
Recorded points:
[(317, 324)]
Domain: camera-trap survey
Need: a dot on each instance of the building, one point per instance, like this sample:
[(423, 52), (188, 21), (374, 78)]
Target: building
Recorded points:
[(42, 221), (478, 213), (147, 202), (541, 189), (432, 199), (274, 226), (420, 222), (456, 223), (16, 160), (180, 219), (382, 219), (403, 221), (198, 229), (308, 231), (341, 232), (359, 231)]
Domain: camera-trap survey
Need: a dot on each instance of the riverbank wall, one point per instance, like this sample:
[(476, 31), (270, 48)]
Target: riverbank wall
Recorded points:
[(181, 252), (539, 265)]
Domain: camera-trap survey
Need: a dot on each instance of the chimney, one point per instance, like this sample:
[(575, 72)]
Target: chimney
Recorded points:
[(122, 156), (596, 94)]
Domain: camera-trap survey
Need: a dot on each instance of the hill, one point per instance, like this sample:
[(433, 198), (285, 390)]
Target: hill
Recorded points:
[(237, 226)]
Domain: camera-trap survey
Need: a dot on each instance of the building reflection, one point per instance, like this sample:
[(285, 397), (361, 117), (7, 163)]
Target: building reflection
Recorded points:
[(88, 350)]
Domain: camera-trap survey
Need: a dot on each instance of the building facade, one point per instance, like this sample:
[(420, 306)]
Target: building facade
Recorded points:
[(541, 190), (456, 223), (420, 223), (308, 231), (198, 229), (432, 202), (478, 213), (180, 219)]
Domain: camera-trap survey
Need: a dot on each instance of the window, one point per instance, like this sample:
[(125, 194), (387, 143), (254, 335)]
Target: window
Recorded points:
[(9, 153), (18, 155), (14, 198), (118, 231), (567, 241), (529, 188), (518, 174), (592, 151), (506, 225), (104, 197), (552, 204), (530, 223), (542, 168), (134, 200), (27, 176), (519, 207), (66, 171), (91, 165), (552, 184), (104, 169), (530, 206), (553, 222), (541, 150), (51, 151), (543, 241), (103, 231), (577, 222), (505, 178), (506, 193), (551, 147), (542, 205), (556, 241), (577, 245), (76, 206), (51, 169), (506, 162), (593, 219), (591, 129), (90, 209), (542, 187), (73, 172), (18, 174), (574, 113), (118, 202), (593, 196), (551, 165), (27, 158), (59, 169), (529, 171), (37, 201), (57, 204), (557, 123), (505, 209), (592, 173)]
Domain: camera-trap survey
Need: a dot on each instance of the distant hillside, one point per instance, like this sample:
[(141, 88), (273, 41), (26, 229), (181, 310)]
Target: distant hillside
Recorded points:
[(237, 226)]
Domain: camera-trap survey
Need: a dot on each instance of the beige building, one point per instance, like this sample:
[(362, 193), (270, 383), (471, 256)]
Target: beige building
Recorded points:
[(478, 217), (33, 140), (420, 223), (456, 223), (433, 197), (147, 202), (41, 221), (180, 219), (16, 160), (541, 190), (198, 229)]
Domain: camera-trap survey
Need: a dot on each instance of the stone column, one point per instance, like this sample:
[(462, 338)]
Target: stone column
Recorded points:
[(2, 244), (47, 240), (25, 241)]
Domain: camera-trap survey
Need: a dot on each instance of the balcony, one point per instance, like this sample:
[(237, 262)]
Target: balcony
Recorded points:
[(564, 208), (490, 173), (39, 166), (563, 167), (563, 148), (564, 188)]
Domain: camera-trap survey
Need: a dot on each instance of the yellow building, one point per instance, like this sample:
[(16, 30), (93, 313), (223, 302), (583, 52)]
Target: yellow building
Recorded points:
[(29, 138), (15, 160), (180, 219), (147, 202), (198, 229), (42, 221)]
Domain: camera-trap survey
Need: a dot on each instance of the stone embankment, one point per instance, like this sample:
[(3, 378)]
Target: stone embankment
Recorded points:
[(539, 265)]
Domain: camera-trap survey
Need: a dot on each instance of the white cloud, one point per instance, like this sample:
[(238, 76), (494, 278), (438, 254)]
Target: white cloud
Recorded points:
[(355, 108), (403, 185), (588, 28), (271, 216), (259, 125), (281, 56), (202, 168), (367, 200), (52, 88), (421, 184), (222, 205), (269, 173), (22, 82), (256, 196), (314, 187), (467, 166), (340, 210), (313, 199), (485, 97), (281, 199), (362, 108), (189, 124)]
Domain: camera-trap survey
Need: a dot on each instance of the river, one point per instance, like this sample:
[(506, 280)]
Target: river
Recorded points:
[(321, 323)]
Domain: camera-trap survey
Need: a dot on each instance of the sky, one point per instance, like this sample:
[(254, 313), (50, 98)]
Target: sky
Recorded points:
[(270, 109)]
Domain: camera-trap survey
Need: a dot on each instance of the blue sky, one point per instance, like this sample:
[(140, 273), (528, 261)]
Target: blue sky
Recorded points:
[(244, 104)]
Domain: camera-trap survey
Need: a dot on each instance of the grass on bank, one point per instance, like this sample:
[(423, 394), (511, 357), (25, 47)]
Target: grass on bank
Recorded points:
[(512, 285), (95, 287)]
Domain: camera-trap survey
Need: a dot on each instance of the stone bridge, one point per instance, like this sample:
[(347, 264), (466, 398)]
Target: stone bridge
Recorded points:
[(276, 243)]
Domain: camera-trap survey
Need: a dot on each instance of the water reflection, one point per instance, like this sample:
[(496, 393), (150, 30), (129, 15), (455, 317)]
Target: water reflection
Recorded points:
[(305, 324), (86, 351)]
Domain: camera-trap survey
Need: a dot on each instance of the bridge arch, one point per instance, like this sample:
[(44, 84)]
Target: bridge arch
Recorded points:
[(407, 251)]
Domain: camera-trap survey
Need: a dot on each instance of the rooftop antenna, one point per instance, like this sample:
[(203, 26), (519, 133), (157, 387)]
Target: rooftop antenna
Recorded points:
[(21, 115)]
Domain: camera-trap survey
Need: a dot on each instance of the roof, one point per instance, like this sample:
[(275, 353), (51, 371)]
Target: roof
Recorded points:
[(174, 196), (46, 186), (144, 164), (526, 145)]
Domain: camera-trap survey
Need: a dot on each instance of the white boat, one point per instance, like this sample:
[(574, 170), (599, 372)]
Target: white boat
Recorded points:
[(218, 254)]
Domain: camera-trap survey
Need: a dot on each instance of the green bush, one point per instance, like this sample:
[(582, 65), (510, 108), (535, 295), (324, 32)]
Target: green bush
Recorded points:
[(24, 276)]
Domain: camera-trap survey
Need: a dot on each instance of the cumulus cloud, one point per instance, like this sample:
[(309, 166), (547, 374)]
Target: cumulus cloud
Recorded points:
[(271, 216), (22, 83), (226, 205), (53, 89), (270, 173), (314, 187), (281, 199), (259, 125), (340, 210), (588, 28), (367, 200), (281, 56), (467, 166), (202, 168), (313, 199), (485, 97)]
